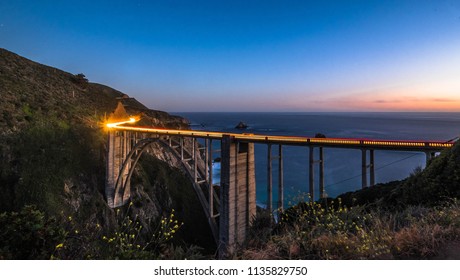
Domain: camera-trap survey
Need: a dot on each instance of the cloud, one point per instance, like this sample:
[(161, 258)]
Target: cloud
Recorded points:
[(425, 100), (444, 100), (382, 101)]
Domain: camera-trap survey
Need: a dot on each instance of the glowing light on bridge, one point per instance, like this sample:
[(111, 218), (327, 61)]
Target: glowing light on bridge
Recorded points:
[(293, 140), (116, 124)]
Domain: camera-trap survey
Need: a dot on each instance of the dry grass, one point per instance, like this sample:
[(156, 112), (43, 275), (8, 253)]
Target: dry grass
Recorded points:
[(315, 232), (269, 252), (419, 240)]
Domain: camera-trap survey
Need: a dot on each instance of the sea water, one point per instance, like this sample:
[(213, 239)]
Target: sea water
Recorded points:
[(342, 166)]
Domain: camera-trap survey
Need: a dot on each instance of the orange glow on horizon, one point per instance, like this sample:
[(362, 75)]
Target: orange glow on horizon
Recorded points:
[(388, 101)]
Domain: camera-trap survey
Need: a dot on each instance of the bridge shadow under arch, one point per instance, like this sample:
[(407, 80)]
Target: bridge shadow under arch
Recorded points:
[(122, 192)]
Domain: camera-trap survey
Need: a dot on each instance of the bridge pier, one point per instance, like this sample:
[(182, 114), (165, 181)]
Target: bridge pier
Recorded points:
[(280, 179), (372, 167), (237, 193), (269, 180), (364, 167), (322, 193), (270, 158), (209, 174), (429, 156), (119, 145)]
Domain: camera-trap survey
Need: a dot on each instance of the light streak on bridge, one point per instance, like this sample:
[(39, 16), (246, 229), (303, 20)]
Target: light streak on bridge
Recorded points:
[(407, 145)]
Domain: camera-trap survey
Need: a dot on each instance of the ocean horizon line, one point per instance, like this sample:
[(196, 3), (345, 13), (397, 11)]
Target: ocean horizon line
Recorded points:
[(316, 112)]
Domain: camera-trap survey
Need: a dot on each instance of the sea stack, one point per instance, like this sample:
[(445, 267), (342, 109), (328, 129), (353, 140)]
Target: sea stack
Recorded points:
[(241, 125)]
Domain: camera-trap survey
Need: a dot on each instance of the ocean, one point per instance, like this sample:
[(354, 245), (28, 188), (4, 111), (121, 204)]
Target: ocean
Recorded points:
[(342, 166)]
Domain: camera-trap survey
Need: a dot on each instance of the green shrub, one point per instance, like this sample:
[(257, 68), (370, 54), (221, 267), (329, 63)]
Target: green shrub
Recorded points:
[(48, 152), (334, 232), (29, 234), (133, 241)]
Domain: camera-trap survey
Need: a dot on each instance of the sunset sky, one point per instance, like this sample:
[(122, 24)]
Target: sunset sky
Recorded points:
[(266, 55)]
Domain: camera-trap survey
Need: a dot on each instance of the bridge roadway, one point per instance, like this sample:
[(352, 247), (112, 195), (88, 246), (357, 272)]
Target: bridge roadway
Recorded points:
[(352, 143)]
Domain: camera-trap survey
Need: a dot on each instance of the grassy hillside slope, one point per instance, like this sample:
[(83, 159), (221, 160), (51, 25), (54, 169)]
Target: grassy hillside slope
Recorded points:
[(52, 156)]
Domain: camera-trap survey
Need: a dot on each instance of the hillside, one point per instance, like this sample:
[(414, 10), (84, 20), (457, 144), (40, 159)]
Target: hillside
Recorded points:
[(30, 90), (52, 157)]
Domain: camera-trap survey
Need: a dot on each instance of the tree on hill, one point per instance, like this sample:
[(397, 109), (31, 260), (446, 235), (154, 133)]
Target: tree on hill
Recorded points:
[(81, 80)]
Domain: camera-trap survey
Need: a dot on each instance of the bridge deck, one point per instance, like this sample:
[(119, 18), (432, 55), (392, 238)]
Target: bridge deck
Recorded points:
[(352, 143)]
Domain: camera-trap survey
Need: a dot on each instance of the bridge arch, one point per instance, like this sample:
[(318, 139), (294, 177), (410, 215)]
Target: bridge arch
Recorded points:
[(131, 151), (122, 185), (229, 214)]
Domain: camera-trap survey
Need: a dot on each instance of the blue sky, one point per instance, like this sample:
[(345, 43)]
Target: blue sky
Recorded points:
[(251, 55)]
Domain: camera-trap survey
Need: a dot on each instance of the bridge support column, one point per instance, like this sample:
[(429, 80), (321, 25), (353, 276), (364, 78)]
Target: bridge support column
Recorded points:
[(364, 167), (195, 163), (237, 194), (429, 155), (270, 158), (119, 145), (209, 174), (280, 179), (372, 167), (322, 193), (181, 148), (269, 180), (311, 175)]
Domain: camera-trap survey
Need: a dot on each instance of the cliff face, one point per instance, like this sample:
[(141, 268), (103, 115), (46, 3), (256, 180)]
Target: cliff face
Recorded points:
[(52, 146)]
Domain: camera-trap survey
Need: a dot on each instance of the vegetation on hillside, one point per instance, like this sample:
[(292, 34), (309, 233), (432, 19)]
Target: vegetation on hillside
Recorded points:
[(314, 231), (52, 172), (31, 234)]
